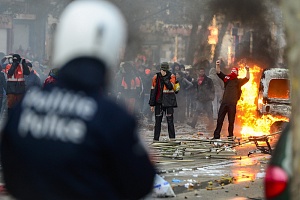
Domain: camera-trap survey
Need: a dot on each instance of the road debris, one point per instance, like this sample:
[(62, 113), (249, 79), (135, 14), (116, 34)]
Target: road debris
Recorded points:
[(162, 188)]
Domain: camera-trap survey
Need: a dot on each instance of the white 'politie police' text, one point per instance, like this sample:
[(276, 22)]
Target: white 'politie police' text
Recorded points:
[(56, 115)]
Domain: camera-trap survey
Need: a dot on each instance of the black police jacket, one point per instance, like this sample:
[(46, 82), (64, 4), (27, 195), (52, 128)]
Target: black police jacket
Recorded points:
[(66, 143)]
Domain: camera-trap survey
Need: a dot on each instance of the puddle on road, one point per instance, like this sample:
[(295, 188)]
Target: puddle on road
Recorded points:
[(246, 169), (215, 176)]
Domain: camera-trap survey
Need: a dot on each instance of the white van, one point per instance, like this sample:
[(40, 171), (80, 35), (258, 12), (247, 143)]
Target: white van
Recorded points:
[(274, 95)]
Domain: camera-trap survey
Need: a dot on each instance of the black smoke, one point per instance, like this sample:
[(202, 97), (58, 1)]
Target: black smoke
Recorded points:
[(255, 15)]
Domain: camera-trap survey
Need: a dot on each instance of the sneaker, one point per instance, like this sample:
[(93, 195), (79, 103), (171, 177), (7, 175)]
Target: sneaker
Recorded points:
[(217, 142), (154, 141)]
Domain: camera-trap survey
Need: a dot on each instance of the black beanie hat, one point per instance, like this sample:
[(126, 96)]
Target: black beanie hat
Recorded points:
[(164, 66), (17, 57)]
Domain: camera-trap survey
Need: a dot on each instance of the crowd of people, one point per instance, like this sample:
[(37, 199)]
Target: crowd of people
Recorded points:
[(18, 75), (201, 94), (133, 86)]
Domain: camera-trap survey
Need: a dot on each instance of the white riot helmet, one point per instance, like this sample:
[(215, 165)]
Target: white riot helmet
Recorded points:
[(90, 28)]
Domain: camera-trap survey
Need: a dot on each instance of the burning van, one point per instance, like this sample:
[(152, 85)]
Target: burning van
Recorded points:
[(274, 96)]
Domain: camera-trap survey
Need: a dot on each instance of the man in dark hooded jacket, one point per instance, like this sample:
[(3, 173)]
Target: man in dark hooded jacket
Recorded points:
[(205, 94), (163, 100)]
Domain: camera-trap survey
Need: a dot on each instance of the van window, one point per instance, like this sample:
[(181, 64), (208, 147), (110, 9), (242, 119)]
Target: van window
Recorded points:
[(279, 88)]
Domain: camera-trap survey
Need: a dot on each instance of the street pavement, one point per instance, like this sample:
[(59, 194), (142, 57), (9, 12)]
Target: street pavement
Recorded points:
[(234, 175)]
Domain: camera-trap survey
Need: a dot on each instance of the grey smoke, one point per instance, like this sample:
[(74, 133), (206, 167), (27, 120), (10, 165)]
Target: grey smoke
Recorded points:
[(260, 16)]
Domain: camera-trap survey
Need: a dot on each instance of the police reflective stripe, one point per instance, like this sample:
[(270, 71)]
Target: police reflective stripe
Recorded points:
[(168, 91), (15, 79)]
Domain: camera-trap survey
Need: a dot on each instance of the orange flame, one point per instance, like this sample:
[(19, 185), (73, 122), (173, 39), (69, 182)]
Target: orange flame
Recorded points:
[(252, 125)]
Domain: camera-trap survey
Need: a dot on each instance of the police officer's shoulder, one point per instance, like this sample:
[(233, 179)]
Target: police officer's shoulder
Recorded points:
[(117, 119), (110, 108)]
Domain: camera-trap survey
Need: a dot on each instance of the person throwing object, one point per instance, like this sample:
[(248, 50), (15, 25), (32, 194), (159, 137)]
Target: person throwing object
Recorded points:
[(230, 98)]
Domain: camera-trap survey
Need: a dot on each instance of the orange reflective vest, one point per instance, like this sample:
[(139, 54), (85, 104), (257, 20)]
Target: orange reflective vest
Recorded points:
[(165, 89), (134, 84), (18, 74), (163, 93)]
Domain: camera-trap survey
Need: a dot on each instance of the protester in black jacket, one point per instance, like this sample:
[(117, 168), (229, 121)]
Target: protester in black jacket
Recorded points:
[(232, 94), (181, 97), (70, 141), (205, 94), (163, 100)]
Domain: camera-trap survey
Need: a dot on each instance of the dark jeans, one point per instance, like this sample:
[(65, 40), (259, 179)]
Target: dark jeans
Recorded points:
[(190, 105), (159, 111), (230, 110)]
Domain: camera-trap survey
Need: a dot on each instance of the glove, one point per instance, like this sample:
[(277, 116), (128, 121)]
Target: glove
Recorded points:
[(23, 62), (16, 62), (166, 78), (14, 65)]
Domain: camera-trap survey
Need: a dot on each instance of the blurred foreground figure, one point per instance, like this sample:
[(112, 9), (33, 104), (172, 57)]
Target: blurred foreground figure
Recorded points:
[(69, 141)]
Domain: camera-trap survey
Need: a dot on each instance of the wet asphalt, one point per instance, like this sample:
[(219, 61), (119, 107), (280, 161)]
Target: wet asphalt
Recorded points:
[(229, 174)]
